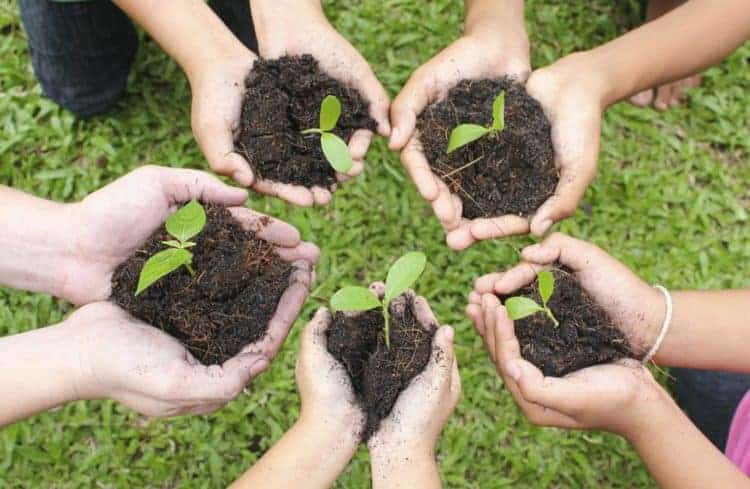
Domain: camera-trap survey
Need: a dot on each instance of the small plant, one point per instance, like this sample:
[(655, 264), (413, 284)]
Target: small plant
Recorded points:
[(334, 148), (182, 225), (464, 134), (402, 275), (521, 307)]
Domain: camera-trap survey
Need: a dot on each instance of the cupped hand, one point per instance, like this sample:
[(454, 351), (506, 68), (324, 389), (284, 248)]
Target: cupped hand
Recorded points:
[(325, 388), (424, 407), (615, 397), (478, 54), (299, 28), (636, 308), (149, 371), (111, 223), (218, 90)]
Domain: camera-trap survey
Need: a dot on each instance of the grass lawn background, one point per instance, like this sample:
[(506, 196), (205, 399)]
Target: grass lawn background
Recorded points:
[(671, 200)]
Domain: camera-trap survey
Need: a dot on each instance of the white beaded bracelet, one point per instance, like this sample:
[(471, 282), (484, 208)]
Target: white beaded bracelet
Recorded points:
[(664, 326)]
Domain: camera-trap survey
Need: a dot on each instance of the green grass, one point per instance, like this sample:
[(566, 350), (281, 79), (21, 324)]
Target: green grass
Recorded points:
[(671, 201)]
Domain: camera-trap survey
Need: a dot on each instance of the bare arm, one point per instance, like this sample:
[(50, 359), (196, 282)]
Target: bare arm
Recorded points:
[(710, 330), (684, 41), (35, 242)]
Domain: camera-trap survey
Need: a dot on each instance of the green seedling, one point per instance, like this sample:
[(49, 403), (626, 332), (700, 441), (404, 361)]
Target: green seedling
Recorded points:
[(521, 307), (182, 225), (334, 148), (464, 134), (402, 275)]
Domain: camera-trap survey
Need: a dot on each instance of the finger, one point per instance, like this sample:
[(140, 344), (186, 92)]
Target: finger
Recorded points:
[(418, 168), (267, 228), (302, 256), (460, 238), (219, 383), (540, 415), (475, 297), (358, 166), (559, 247), (407, 105), (643, 98), (321, 196), (560, 394), (378, 288), (519, 276), (358, 144), (499, 227), (444, 208), (489, 303), (294, 194), (663, 94), (574, 180), (204, 409), (378, 98), (438, 369), (485, 285), (289, 307), (314, 333), (217, 144), (507, 346), (424, 314), (455, 381), (180, 185), (474, 312)]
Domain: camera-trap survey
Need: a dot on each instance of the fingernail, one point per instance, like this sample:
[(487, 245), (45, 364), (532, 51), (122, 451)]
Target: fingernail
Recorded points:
[(448, 333), (259, 366), (513, 370), (546, 224)]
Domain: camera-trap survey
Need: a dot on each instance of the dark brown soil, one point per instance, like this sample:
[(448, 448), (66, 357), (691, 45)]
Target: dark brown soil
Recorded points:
[(512, 172), (282, 98), (379, 374), (239, 280), (586, 335)]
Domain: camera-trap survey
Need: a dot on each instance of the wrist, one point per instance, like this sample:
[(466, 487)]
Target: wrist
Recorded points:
[(583, 71), (342, 430), (279, 19), (387, 463), (652, 414), (507, 41)]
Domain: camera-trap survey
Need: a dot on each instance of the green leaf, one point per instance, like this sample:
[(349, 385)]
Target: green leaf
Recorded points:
[(403, 274), (336, 152), (465, 134), (161, 264), (546, 283), (354, 299), (498, 112), (521, 307), (330, 111), (173, 243), (187, 222)]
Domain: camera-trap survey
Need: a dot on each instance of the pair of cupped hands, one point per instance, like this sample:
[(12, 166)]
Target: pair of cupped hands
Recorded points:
[(127, 360), (568, 101)]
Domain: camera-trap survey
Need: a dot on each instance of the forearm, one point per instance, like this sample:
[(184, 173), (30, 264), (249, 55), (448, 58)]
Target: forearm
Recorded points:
[(501, 20), (391, 470), (678, 455), (309, 455), (34, 242), (684, 41), (188, 30), (709, 330), (38, 371)]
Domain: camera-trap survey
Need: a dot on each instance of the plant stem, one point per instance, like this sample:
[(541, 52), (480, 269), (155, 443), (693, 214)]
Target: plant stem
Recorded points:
[(190, 269), (387, 325), (312, 131), (552, 316)]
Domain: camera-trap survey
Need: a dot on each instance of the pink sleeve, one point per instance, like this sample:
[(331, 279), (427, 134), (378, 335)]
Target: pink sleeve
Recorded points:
[(738, 443)]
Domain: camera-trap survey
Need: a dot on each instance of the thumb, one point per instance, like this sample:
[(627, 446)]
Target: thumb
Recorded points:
[(182, 185), (409, 103), (224, 383), (314, 333), (440, 367), (217, 144)]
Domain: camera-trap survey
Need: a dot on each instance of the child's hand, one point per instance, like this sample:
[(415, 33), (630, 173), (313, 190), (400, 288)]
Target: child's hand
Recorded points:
[(635, 307), (421, 410), (147, 370), (324, 386), (572, 97), (617, 397), (478, 54)]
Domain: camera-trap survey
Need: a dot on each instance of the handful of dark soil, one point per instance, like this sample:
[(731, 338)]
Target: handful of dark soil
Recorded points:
[(379, 374), (586, 335), (511, 172), (282, 98), (239, 280)]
